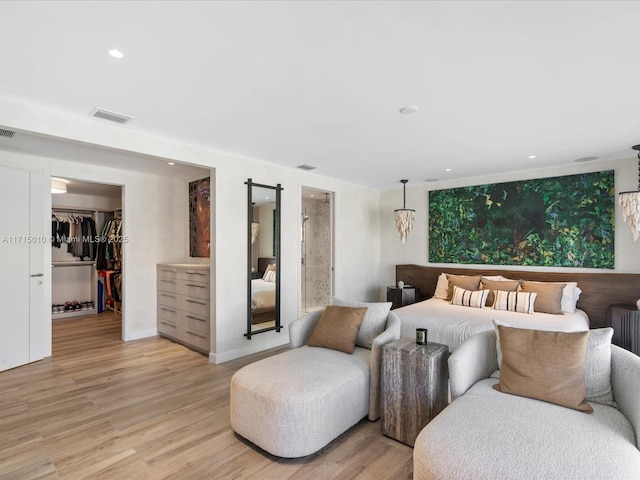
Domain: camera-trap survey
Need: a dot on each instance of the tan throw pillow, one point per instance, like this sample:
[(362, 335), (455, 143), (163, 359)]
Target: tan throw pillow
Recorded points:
[(547, 366), (549, 295), (502, 285), (467, 298), (468, 283), (375, 320), (338, 328)]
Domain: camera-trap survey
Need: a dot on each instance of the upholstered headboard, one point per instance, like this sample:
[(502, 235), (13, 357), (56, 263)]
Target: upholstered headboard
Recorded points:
[(599, 290), (264, 261)]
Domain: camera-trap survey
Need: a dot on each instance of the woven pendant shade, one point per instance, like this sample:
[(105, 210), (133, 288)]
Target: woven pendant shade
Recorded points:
[(404, 215), (630, 203)]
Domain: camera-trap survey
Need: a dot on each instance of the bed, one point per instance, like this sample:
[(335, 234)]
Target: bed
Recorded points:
[(451, 324), (263, 294)]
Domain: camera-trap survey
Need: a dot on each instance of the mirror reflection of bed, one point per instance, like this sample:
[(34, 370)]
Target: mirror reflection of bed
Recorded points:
[(263, 294)]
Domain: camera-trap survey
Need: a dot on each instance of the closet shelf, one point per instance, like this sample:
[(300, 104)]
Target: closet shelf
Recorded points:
[(71, 264)]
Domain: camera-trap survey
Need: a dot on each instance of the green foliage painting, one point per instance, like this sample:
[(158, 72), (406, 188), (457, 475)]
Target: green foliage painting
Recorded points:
[(557, 222)]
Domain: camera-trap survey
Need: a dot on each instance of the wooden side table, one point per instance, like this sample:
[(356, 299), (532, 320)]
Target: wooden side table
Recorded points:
[(399, 297), (625, 320), (414, 387)]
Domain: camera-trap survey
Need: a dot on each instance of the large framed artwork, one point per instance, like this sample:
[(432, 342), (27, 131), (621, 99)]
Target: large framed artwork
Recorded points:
[(199, 219), (563, 221)]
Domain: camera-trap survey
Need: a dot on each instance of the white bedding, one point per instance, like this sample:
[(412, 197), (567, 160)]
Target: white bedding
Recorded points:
[(452, 324), (263, 294)]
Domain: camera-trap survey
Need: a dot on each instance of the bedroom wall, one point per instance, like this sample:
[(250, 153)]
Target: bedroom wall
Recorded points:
[(393, 252), (356, 217)]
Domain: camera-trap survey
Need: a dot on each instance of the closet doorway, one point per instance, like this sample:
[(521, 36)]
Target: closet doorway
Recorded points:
[(86, 256), (316, 223)]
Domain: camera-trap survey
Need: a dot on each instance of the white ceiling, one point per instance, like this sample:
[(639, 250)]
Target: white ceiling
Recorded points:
[(321, 83)]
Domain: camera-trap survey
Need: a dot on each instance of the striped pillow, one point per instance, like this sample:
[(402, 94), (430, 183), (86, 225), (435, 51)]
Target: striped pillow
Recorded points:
[(469, 298), (269, 276), (514, 301)]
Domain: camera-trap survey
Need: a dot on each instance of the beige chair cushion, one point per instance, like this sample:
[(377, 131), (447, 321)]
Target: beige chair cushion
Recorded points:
[(338, 328), (547, 366)]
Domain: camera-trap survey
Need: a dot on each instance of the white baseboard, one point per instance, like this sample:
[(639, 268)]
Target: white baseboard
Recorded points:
[(244, 351), (152, 332)]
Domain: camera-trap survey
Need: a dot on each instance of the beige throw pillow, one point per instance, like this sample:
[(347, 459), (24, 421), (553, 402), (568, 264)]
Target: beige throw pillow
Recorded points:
[(375, 320), (502, 285), (468, 283), (549, 295), (338, 328), (547, 366)]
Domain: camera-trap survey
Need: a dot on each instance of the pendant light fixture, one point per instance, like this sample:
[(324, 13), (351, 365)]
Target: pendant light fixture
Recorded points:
[(404, 215), (630, 203)]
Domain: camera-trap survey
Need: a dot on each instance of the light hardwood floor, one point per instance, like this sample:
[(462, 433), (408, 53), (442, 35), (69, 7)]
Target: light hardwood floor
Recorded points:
[(101, 408)]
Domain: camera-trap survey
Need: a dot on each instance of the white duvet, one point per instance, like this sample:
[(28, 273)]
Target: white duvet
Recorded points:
[(263, 294), (452, 324)]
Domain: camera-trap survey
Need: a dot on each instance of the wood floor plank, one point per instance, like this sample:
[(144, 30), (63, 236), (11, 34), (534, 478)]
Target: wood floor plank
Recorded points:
[(101, 408)]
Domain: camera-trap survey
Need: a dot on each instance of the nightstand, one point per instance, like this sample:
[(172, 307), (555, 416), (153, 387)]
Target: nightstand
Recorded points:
[(625, 320), (414, 387), (400, 297)]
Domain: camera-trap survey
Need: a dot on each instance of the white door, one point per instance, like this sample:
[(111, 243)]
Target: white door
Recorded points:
[(19, 242)]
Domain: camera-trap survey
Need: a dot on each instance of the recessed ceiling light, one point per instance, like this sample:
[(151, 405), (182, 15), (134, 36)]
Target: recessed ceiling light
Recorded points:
[(171, 163), (447, 169), (408, 109), (115, 53), (585, 159), (312, 195), (532, 156)]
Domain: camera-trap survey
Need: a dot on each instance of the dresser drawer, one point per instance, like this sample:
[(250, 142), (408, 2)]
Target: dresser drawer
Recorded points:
[(197, 323), (195, 306), (170, 273), (197, 339), (167, 327), (168, 299), (191, 288), (167, 284), (195, 275), (168, 313)]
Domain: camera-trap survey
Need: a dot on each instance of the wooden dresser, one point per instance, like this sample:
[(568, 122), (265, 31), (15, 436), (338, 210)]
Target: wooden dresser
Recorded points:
[(184, 304)]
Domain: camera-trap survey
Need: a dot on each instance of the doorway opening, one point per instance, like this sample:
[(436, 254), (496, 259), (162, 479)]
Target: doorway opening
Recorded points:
[(86, 259), (316, 223)]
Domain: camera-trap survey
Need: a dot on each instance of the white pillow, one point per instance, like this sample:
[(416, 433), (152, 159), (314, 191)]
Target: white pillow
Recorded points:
[(269, 276), (569, 300), (441, 287), (469, 298)]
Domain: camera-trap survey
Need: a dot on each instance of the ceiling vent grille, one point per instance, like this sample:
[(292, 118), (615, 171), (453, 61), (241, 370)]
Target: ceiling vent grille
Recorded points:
[(111, 116), (6, 133), (306, 167)]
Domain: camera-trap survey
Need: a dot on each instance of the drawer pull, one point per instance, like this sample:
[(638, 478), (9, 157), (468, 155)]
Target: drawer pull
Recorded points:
[(167, 281), (193, 301), (194, 285), (195, 318), (167, 295), (168, 310), (197, 273), (172, 325), (197, 335), (167, 271)]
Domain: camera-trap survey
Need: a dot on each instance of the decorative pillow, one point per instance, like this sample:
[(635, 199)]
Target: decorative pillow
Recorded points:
[(549, 295), (503, 285), (468, 283), (467, 298), (338, 328), (270, 268), (375, 320), (598, 367), (269, 276), (547, 366), (570, 295), (441, 287), (522, 302)]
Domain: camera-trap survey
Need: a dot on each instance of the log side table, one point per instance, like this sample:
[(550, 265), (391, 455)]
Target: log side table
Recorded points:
[(414, 387)]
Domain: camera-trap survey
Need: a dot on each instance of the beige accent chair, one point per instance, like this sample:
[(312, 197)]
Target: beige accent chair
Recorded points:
[(295, 403), (487, 434)]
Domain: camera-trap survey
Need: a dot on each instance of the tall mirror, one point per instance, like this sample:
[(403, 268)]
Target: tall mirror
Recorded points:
[(263, 258)]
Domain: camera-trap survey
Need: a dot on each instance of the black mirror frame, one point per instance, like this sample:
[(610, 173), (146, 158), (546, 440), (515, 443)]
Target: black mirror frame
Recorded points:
[(278, 188)]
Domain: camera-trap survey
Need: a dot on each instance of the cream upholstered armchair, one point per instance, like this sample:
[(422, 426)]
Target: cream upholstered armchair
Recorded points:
[(484, 433), (296, 402)]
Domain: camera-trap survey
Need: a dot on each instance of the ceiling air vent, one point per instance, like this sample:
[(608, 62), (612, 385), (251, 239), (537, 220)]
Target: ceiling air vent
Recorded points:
[(111, 116), (306, 167), (6, 133)]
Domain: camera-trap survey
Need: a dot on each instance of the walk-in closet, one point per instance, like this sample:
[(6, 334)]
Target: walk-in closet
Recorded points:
[(87, 238)]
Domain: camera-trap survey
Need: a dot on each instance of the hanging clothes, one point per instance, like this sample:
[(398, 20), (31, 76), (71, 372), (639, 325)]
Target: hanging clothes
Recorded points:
[(75, 230)]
